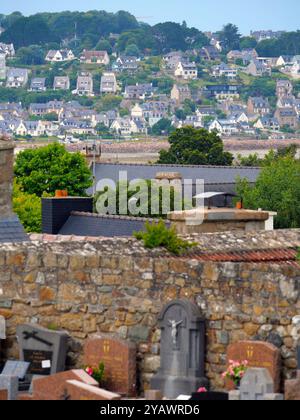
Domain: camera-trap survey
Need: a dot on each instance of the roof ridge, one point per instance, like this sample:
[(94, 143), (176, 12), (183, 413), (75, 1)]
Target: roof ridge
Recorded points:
[(178, 165), (115, 217)]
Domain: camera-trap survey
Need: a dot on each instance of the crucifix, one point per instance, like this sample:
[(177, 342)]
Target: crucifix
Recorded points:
[(174, 331)]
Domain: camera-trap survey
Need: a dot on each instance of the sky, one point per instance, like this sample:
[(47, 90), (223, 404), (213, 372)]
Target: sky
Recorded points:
[(203, 14)]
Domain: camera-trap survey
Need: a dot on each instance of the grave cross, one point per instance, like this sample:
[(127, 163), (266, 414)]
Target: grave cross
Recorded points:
[(34, 335)]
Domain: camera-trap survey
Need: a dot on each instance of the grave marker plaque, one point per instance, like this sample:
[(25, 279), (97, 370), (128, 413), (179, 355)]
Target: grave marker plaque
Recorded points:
[(259, 355), (44, 349), (119, 358), (182, 350)]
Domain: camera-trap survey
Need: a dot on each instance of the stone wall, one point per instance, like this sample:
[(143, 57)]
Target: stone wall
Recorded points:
[(116, 286), (6, 175)]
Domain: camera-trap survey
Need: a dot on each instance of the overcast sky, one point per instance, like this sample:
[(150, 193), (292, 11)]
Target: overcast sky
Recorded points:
[(203, 14)]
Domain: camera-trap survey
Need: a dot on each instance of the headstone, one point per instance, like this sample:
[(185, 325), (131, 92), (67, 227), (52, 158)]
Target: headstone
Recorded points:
[(2, 328), (153, 395), (3, 395), (78, 391), (46, 350), (256, 385), (292, 389), (16, 368), (11, 385), (119, 358), (182, 350), (259, 355), (53, 387)]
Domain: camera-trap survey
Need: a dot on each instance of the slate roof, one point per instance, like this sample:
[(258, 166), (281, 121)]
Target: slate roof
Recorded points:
[(11, 230), (94, 225)]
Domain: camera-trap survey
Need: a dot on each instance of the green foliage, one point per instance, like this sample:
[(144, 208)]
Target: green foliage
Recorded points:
[(157, 235), (52, 168), (28, 208), (190, 146), (132, 50), (261, 86), (32, 55), (104, 45), (287, 44), (230, 37), (248, 42), (96, 373), (162, 127), (277, 189)]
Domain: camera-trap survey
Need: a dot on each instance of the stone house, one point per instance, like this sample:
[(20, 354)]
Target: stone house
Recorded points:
[(186, 71), (258, 106), (109, 83), (139, 91), (246, 55), (85, 86), (17, 78), (95, 57), (287, 117), (172, 59), (258, 69), (284, 88), (209, 53), (61, 83), (180, 93)]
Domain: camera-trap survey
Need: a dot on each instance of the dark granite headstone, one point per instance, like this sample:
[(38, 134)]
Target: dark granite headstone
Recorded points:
[(182, 350), (44, 349)]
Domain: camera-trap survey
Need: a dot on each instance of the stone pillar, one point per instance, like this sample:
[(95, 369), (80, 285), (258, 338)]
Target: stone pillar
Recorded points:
[(6, 177)]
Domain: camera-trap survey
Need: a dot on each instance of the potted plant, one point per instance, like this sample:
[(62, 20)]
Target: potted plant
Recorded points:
[(236, 371)]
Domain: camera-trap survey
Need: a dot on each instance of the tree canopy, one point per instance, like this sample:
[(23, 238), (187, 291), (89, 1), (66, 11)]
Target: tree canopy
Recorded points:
[(51, 168), (190, 146)]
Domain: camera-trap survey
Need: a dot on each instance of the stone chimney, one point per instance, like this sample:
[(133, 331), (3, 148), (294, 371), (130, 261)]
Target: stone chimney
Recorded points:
[(6, 177), (11, 229)]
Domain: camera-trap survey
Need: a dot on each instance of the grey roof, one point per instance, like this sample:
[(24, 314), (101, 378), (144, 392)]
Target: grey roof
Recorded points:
[(11, 230), (87, 224), (210, 174)]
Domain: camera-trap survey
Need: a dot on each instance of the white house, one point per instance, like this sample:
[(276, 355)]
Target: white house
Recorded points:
[(108, 83), (57, 56), (17, 78), (95, 57), (186, 71)]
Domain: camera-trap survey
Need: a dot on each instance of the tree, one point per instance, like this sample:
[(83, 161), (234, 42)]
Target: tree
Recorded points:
[(132, 50), (32, 55), (248, 42), (28, 208), (162, 127), (52, 168), (104, 45), (277, 189), (190, 146), (230, 37)]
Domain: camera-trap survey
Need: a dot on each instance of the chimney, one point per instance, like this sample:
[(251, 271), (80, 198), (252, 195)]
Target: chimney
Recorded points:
[(11, 229)]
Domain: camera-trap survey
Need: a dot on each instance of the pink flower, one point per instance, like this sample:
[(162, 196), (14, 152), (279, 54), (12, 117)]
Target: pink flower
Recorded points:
[(202, 390), (89, 371)]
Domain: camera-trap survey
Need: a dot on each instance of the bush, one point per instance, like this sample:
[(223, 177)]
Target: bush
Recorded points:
[(157, 235)]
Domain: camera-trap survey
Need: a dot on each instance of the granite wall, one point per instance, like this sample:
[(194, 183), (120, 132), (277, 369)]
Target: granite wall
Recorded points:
[(116, 286)]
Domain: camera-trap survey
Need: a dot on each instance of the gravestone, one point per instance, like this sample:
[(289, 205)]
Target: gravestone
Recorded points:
[(11, 385), (182, 350), (259, 355), (16, 368), (46, 350), (119, 358), (78, 391), (256, 385)]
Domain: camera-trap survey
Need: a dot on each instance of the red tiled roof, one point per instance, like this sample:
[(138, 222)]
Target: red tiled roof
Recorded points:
[(277, 256)]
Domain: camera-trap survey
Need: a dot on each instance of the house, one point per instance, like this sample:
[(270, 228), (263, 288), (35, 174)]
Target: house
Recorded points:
[(268, 61), (246, 55), (126, 63), (286, 102), (30, 128), (95, 57), (195, 121), (61, 83), (186, 71), (154, 111), (57, 56), (85, 86), (223, 92), (239, 118), (284, 60), (223, 70), (172, 59), (17, 78), (258, 69), (74, 126), (263, 35), (180, 93), (259, 106), (139, 91), (209, 53), (108, 83), (284, 88), (287, 117), (137, 112), (7, 49), (268, 124), (224, 127), (122, 127), (38, 84), (2, 66)]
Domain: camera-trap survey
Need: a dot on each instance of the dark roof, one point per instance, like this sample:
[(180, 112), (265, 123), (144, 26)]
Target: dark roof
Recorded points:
[(11, 230), (210, 174), (94, 225)]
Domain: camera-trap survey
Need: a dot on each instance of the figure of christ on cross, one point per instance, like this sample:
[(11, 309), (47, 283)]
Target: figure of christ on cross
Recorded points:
[(174, 330)]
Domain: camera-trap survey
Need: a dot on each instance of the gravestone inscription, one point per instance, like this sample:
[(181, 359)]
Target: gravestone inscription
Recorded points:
[(182, 350), (44, 349)]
